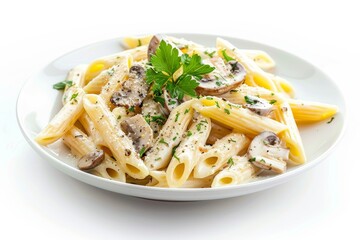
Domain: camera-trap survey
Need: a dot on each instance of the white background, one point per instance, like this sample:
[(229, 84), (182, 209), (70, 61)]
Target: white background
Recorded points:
[(38, 201)]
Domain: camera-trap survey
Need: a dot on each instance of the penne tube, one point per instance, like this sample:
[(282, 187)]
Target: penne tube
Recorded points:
[(261, 59), (291, 136), (76, 76), (236, 117), (169, 137), (137, 41), (118, 76), (239, 170), (237, 95), (80, 144), (104, 63), (91, 130), (284, 86), (307, 112), (63, 120), (114, 138), (216, 157), (257, 75), (187, 153)]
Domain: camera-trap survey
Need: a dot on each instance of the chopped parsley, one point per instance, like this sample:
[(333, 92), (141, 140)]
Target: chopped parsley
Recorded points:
[(163, 141), (174, 138), (159, 119), (111, 71), (262, 161), (61, 85), (250, 100), (74, 96), (217, 104), (218, 83), (139, 43), (210, 54), (165, 62), (209, 98), (332, 118), (252, 159), (230, 162), (157, 159), (177, 158), (273, 101), (231, 140), (233, 91), (132, 109), (142, 151), (186, 111), (227, 111), (226, 57), (189, 133), (177, 116)]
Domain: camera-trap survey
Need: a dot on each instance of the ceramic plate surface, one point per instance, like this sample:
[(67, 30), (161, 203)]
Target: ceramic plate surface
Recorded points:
[(38, 103)]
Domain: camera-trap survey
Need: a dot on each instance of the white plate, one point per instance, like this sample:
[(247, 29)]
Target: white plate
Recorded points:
[(38, 102)]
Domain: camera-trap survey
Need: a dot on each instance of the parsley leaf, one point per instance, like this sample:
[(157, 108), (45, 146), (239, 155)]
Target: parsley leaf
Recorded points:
[(250, 100), (142, 151), (226, 57), (61, 85), (166, 59), (165, 62), (230, 162), (74, 96), (272, 101)]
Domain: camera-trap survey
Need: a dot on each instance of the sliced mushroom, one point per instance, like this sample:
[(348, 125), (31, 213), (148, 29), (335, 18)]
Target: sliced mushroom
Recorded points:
[(155, 114), (258, 105), (91, 160), (266, 152), (154, 44), (139, 131), (224, 78), (133, 91)]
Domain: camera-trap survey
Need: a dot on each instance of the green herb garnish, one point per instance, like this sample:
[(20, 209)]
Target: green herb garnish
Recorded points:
[(142, 151), (226, 57), (165, 62), (230, 162), (227, 111), (61, 85), (273, 101)]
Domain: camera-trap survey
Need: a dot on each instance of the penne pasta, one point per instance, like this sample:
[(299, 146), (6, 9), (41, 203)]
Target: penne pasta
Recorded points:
[(76, 77), (239, 170), (256, 74), (238, 118), (91, 130), (261, 59), (133, 42), (291, 136), (169, 137), (104, 63), (80, 144), (115, 139), (63, 120), (216, 157), (187, 153)]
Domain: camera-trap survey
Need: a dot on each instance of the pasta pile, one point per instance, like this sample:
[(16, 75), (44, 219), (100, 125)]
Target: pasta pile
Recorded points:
[(239, 126)]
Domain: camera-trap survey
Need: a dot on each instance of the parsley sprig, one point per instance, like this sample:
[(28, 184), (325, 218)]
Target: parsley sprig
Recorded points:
[(179, 75)]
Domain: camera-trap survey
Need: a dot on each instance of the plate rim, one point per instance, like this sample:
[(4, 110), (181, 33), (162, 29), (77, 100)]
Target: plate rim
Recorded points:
[(92, 179)]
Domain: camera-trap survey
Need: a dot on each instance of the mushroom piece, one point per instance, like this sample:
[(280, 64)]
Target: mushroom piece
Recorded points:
[(91, 160), (133, 91), (224, 78), (139, 131), (154, 44), (258, 105), (265, 151), (155, 114)]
